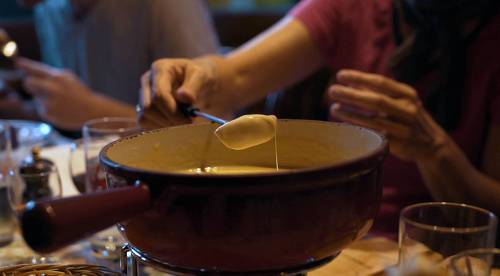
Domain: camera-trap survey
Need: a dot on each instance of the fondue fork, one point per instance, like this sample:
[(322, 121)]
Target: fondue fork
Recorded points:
[(192, 111)]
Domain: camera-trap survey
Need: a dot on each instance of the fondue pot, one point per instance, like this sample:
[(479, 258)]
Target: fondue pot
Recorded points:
[(325, 195)]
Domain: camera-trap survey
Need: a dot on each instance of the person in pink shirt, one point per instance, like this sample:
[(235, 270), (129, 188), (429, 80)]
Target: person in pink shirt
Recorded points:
[(424, 72)]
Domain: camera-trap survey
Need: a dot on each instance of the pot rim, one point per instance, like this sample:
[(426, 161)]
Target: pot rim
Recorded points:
[(378, 153)]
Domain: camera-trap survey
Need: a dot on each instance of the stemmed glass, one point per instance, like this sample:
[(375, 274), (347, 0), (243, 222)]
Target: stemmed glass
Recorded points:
[(18, 188), (37, 186), (87, 174), (7, 218)]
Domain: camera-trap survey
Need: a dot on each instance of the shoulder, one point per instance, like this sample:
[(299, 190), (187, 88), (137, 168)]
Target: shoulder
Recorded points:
[(484, 51), (176, 6), (483, 61), (51, 8), (341, 27), (52, 4), (334, 16), (342, 7), (489, 37)]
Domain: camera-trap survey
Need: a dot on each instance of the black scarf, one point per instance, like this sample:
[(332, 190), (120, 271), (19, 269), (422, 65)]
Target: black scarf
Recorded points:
[(438, 43)]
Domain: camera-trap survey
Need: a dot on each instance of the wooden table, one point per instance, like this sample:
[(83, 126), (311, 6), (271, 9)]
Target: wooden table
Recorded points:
[(364, 257)]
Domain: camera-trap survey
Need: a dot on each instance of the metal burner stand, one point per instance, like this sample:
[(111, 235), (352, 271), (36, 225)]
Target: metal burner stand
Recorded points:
[(131, 258)]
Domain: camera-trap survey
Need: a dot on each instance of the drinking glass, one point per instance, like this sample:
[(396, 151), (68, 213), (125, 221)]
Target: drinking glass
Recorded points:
[(476, 262), (7, 217), (95, 135), (429, 233), (31, 187), (16, 189)]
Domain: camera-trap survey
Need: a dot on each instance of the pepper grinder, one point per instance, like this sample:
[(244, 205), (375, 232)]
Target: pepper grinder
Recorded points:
[(35, 171)]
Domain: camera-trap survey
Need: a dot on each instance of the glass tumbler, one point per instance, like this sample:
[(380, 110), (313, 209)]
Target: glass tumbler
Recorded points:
[(429, 233)]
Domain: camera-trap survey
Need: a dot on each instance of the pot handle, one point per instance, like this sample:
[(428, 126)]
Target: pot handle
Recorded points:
[(49, 225)]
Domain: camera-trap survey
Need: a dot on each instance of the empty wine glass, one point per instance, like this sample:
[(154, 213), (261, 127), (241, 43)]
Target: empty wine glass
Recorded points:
[(37, 185), (7, 218), (18, 186), (97, 134)]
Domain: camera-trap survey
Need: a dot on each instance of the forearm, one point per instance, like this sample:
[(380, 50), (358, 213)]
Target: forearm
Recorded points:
[(49, 87), (450, 176), (280, 57), (414, 135), (108, 107), (96, 106), (18, 109)]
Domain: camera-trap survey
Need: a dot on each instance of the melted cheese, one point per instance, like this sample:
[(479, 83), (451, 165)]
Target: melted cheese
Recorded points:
[(230, 170), (247, 131)]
